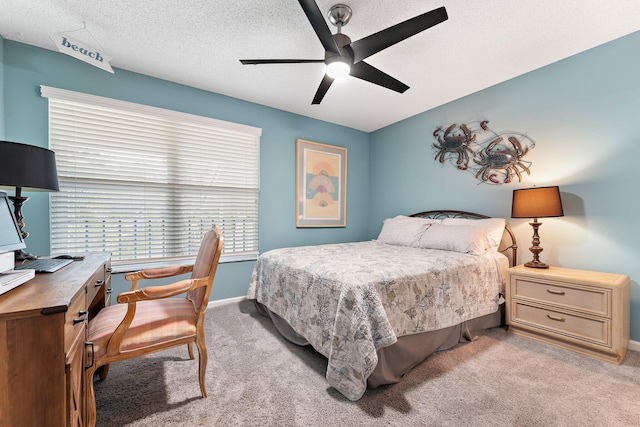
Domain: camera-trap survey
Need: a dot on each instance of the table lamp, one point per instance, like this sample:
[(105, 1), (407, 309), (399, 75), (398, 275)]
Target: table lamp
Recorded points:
[(537, 202), (30, 168)]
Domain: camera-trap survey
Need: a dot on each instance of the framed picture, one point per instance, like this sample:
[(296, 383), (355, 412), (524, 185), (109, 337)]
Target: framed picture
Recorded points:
[(321, 185)]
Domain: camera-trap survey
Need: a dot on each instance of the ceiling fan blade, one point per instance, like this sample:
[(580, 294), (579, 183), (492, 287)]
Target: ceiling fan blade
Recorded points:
[(319, 25), (374, 43), (322, 89), (369, 73), (279, 61)]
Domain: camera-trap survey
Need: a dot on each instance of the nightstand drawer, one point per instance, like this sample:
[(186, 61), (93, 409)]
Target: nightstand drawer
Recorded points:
[(582, 298), (595, 330)]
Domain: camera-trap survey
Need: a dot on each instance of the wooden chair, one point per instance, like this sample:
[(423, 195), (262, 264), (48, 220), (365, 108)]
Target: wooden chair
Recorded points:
[(147, 320)]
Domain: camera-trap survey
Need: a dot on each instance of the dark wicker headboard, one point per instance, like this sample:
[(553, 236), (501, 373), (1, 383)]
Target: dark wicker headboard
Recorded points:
[(508, 245)]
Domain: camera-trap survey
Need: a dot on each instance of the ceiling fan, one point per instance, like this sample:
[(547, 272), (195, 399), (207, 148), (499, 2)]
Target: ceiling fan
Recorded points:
[(344, 57)]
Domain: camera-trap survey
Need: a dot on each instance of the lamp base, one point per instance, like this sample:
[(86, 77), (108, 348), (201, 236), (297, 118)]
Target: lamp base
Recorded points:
[(536, 264), (535, 247), (23, 256)]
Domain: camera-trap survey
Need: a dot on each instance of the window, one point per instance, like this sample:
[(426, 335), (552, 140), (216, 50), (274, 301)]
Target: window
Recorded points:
[(145, 183)]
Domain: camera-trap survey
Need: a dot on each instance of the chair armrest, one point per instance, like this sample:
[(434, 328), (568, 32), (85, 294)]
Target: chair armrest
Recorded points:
[(160, 292), (159, 273), (156, 273)]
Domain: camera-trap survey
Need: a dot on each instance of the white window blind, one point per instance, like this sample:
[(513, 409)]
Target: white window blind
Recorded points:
[(145, 183)]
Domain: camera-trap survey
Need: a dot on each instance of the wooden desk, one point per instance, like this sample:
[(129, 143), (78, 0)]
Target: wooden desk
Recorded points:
[(42, 343)]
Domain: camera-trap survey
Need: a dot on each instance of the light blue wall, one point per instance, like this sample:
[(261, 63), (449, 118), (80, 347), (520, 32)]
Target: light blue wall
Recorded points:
[(27, 67), (583, 114)]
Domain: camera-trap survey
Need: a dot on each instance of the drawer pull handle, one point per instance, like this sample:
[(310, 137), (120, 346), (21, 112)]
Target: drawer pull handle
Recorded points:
[(559, 319), (99, 283), (551, 291), (79, 319), (90, 345)]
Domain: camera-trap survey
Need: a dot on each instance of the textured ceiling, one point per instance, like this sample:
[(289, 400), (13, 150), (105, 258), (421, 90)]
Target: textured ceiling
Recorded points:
[(199, 43)]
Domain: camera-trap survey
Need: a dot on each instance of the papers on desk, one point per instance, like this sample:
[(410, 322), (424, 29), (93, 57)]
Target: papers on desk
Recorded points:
[(13, 278)]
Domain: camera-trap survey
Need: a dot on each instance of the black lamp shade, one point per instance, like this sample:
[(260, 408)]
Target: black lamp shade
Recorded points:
[(537, 202), (28, 167)]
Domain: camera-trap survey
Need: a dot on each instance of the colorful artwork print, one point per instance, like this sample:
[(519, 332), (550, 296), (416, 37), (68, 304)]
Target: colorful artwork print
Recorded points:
[(322, 188), (321, 185)]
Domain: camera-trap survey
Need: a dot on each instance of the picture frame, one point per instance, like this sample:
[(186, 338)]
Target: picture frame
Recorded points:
[(321, 185)]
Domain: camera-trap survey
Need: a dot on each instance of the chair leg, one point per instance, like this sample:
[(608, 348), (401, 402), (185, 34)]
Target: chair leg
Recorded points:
[(190, 348), (103, 371), (91, 399), (202, 364)]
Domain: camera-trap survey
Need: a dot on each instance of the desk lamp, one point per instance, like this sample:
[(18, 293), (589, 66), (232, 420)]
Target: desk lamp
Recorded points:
[(30, 168), (537, 202)]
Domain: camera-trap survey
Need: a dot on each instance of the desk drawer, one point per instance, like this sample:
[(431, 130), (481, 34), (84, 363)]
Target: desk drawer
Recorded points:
[(75, 319), (594, 330), (581, 298), (94, 285)]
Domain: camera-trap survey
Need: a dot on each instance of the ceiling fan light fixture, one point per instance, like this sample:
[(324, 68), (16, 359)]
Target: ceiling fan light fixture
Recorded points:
[(340, 53), (338, 68)]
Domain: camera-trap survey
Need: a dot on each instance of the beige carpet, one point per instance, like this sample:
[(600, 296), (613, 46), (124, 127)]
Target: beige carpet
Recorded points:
[(256, 378)]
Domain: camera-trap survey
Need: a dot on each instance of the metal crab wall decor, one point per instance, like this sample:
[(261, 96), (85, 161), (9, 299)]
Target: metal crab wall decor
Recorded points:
[(455, 141), (493, 157)]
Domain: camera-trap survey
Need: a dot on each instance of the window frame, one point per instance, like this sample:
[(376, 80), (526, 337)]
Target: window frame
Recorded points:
[(170, 115)]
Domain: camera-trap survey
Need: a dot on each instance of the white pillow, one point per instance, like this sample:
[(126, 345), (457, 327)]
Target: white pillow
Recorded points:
[(458, 238), (493, 227), (403, 230)]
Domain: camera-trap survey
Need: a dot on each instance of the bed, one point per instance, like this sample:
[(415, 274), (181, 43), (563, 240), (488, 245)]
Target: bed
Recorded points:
[(378, 308)]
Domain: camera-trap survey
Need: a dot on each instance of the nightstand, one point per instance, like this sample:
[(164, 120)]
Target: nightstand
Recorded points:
[(583, 311)]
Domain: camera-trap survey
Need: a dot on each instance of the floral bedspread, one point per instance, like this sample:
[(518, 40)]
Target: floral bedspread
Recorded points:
[(348, 300)]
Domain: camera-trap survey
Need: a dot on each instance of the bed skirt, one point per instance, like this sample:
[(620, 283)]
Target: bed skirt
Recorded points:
[(397, 359)]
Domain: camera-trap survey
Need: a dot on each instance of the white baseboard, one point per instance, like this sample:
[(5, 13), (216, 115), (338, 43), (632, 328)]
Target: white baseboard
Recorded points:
[(634, 345), (225, 301)]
